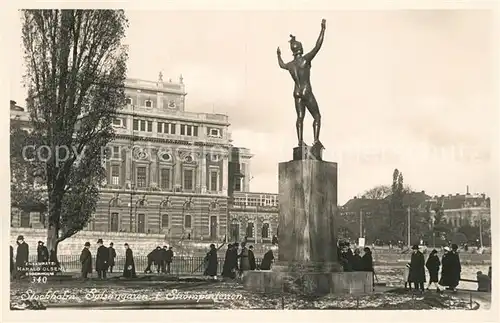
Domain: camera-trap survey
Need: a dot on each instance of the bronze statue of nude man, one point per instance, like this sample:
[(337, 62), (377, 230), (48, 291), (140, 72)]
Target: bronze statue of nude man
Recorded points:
[(300, 70)]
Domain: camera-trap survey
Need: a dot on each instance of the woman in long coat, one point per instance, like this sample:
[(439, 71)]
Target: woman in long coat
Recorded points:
[(417, 269), (445, 269), (227, 269), (211, 262), (129, 268), (267, 260), (432, 266), (244, 260)]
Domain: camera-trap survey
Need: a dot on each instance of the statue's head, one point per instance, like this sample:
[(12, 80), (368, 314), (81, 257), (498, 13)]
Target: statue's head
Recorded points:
[(295, 46)]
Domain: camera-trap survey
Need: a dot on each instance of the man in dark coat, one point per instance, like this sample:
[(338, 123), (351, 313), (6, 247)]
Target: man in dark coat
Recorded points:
[(227, 268), (432, 266), (112, 256), (356, 263), (12, 265), (367, 263), (129, 268), (101, 260), (445, 268), (251, 258), (22, 257), (42, 253), (456, 267), (163, 259), (154, 257), (211, 262), (267, 260), (86, 260), (417, 269), (168, 258)]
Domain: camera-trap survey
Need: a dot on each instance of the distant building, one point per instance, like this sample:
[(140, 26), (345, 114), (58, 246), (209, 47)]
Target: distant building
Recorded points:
[(463, 209)]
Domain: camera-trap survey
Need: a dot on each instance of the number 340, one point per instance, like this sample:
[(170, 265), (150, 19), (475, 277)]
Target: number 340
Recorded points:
[(39, 279)]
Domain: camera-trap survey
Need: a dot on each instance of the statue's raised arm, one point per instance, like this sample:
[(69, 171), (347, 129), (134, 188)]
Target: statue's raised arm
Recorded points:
[(309, 56)]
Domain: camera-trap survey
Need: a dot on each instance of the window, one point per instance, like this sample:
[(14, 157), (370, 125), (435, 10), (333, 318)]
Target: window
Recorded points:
[(213, 228), (187, 221), (141, 176), (214, 180), (149, 104), (187, 130), (115, 174), (168, 128), (141, 223), (143, 125), (129, 100), (25, 219), (114, 222), (43, 219), (238, 184), (165, 178), (117, 123), (165, 157), (250, 230), (265, 231), (188, 179), (214, 132), (116, 152), (164, 220), (214, 158), (235, 231)]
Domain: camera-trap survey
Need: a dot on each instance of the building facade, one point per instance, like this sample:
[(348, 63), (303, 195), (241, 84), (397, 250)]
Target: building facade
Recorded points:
[(172, 172)]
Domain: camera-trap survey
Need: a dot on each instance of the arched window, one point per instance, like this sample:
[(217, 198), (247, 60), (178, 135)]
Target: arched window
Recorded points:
[(265, 231), (235, 231), (187, 221), (164, 220), (250, 230)]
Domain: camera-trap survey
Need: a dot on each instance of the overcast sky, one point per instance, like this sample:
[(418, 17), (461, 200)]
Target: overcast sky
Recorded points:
[(413, 90)]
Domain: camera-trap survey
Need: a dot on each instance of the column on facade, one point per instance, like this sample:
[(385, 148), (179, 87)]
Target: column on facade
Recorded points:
[(203, 171), (178, 172), (128, 166), (153, 169), (225, 173)]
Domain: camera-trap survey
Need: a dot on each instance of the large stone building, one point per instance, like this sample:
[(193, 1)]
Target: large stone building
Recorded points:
[(172, 172)]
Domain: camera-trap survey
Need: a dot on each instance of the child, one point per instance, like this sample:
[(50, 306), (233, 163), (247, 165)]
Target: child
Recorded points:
[(406, 276)]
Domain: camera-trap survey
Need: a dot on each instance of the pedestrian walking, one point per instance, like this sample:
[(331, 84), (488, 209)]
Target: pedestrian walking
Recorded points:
[(432, 266)]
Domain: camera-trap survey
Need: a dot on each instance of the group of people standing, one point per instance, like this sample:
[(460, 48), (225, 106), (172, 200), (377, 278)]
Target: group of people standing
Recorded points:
[(236, 261), (105, 260), (162, 258), (449, 264)]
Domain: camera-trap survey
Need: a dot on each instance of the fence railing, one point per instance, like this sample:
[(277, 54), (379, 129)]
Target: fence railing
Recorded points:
[(179, 265)]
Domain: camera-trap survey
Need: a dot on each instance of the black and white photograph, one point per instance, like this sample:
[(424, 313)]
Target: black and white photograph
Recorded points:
[(340, 159)]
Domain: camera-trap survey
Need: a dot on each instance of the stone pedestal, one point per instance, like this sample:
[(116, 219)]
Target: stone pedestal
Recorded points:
[(308, 202), (307, 260)]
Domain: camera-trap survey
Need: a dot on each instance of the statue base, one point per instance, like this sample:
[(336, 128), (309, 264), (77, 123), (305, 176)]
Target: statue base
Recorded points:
[(314, 152), (315, 283)]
